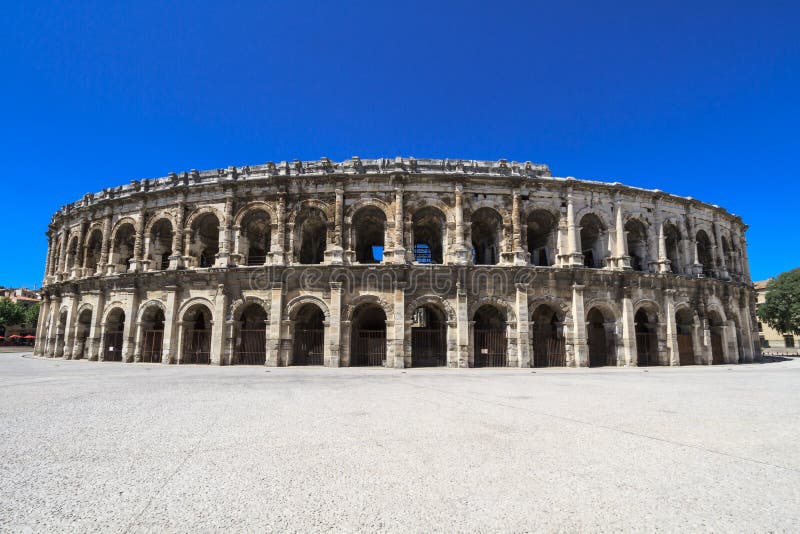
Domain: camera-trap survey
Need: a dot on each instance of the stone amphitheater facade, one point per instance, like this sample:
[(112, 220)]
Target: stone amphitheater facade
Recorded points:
[(396, 262)]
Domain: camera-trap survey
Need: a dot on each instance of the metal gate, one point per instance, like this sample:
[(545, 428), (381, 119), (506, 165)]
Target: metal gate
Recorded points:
[(152, 341), (308, 347), (646, 349), (428, 347), (490, 348), (197, 346), (369, 348), (112, 343), (686, 349), (549, 352), (59, 345), (716, 349), (252, 349), (599, 354)]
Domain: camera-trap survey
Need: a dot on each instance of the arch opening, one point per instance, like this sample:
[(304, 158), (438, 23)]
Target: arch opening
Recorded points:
[(684, 324), (601, 339), (491, 344), (160, 244), (256, 237), (93, 251), (369, 227), (428, 337), (672, 242), (61, 334), (540, 230), (204, 243), (717, 328), (485, 230), (112, 339), (636, 236), (548, 337), (251, 346), (704, 253), (428, 228), (646, 328), (82, 329), (308, 336), (593, 241), (197, 330), (124, 241), (312, 237), (152, 334), (368, 340)]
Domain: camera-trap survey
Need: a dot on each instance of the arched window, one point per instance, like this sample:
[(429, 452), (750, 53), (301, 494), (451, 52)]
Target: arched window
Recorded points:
[(256, 237), (122, 251), (672, 241), (93, 251), (704, 253), (486, 226), (160, 245), (311, 237), (204, 244), (540, 231), (593, 241), (428, 227), (636, 235), (369, 229)]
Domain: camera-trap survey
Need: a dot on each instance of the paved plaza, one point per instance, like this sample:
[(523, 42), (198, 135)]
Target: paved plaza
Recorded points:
[(140, 447)]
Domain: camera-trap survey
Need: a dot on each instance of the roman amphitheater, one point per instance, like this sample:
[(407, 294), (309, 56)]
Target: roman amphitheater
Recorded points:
[(395, 262)]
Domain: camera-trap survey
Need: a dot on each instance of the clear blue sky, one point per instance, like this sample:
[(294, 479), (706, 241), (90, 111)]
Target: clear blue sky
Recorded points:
[(695, 98)]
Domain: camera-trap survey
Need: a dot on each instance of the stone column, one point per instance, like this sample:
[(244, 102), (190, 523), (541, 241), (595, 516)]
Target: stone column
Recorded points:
[(102, 265), (672, 329), (95, 343), (223, 257), (138, 244), (129, 329), (628, 330), (70, 348), (334, 341), (720, 252), (218, 330), (745, 260), (55, 310), (399, 248), (277, 244), (521, 256), (580, 349), (461, 252), (275, 319), (62, 254), (176, 259), (399, 321), (623, 261), (523, 327), (77, 261), (574, 256), (663, 260), (462, 320), (169, 343), (41, 333), (334, 254)]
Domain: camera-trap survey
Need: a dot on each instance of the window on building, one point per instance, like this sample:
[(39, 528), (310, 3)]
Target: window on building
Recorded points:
[(789, 341), (760, 327)]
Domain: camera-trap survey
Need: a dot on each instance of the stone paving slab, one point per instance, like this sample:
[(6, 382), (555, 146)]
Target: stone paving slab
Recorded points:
[(141, 447)]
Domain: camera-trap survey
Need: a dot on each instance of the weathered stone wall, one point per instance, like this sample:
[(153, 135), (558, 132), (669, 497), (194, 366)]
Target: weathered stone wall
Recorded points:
[(615, 266)]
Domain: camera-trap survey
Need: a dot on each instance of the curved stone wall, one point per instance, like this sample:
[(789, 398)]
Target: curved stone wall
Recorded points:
[(397, 262)]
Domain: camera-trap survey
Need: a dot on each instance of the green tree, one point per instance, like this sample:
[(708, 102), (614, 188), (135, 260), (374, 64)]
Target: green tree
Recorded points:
[(31, 315), (781, 307), (10, 312)]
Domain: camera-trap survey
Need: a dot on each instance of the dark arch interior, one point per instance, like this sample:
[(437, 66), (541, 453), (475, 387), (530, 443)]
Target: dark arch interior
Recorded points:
[(251, 345), (716, 324), (548, 338), (82, 333), (428, 337), (704, 253), (368, 338), (312, 235), (486, 225), (646, 327), (684, 322), (309, 335), (206, 239), (257, 231), (161, 243), (152, 334), (540, 228), (370, 227), (672, 240), (93, 251), (124, 241), (112, 342), (490, 337), (636, 236), (600, 340), (197, 335), (591, 243), (428, 224)]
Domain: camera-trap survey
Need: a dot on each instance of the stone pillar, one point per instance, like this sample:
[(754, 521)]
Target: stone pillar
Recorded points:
[(580, 349), (218, 330), (55, 310), (521, 256), (62, 253), (95, 343), (170, 341), (138, 244), (334, 341), (745, 260), (137, 341), (41, 332), (129, 329), (720, 252), (672, 329), (276, 245), (399, 321), (275, 319), (102, 265), (399, 248), (461, 252), (523, 327), (462, 325), (663, 260), (623, 261), (76, 270), (222, 259), (707, 352), (629, 356), (176, 259), (70, 348), (574, 256), (334, 254)]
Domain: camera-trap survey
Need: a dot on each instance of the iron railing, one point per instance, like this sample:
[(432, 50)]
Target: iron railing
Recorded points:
[(197, 347), (112, 343), (549, 352), (152, 341), (491, 348), (252, 348), (646, 349), (686, 349), (428, 347), (368, 348), (307, 348)]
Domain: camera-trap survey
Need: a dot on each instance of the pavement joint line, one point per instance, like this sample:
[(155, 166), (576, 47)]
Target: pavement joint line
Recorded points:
[(612, 429)]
